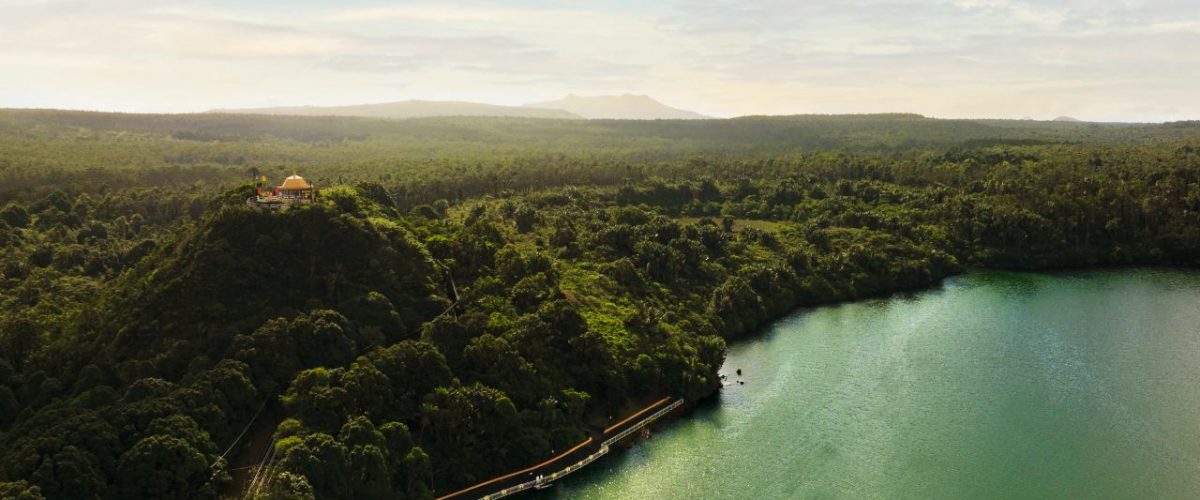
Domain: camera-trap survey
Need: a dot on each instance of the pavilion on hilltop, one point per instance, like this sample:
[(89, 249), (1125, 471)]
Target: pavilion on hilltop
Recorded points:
[(294, 190)]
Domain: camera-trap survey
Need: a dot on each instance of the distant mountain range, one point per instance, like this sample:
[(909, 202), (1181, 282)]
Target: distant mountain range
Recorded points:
[(618, 107), (621, 107), (409, 109)]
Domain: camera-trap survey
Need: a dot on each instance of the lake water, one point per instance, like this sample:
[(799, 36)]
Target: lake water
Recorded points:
[(995, 385)]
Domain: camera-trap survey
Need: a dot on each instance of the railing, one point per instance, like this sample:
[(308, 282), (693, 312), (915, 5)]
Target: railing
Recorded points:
[(276, 202), (647, 421), (518, 473), (544, 480)]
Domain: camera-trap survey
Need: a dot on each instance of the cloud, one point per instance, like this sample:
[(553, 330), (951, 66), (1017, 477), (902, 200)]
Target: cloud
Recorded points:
[(408, 53), (724, 57), (1011, 55)]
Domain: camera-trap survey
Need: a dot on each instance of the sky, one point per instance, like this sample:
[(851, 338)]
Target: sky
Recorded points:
[(1102, 60)]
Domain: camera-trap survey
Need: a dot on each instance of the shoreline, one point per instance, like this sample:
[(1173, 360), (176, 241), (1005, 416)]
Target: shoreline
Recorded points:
[(685, 409)]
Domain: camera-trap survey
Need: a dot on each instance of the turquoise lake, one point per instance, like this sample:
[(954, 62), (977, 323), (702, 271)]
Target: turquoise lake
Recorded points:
[(993, 385)]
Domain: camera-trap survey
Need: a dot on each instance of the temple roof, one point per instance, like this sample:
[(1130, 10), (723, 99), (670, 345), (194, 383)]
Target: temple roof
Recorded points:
[(294, 182)]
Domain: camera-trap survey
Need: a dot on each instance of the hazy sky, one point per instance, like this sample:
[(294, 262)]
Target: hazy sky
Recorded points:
[(1095, 59)]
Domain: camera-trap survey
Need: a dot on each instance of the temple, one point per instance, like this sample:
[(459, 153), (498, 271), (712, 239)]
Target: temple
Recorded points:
[(294, 190)]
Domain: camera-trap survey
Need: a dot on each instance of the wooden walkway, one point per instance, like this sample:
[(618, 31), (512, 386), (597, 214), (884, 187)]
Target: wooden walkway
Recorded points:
[(569, 461)]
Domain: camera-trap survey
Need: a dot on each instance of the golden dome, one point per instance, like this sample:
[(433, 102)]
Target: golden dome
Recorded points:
[(295, 182)]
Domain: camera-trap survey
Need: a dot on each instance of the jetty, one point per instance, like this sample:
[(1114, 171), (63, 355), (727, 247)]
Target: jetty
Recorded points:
[(541, 475)]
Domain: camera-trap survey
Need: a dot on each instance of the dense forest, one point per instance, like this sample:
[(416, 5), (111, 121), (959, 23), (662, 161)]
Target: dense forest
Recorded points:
[(469, 294)]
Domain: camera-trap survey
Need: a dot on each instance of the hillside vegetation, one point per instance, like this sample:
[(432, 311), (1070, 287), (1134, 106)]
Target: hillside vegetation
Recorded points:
[(470, 294)]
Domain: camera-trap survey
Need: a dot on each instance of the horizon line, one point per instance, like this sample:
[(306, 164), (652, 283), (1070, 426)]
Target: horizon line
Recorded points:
[(249, 111)]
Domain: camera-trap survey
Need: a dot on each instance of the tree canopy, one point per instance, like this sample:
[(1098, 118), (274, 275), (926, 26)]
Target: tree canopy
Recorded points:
[(472, 294)]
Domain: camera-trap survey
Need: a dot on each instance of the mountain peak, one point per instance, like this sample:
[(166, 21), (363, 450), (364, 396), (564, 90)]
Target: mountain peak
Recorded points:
[(626, 106)]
